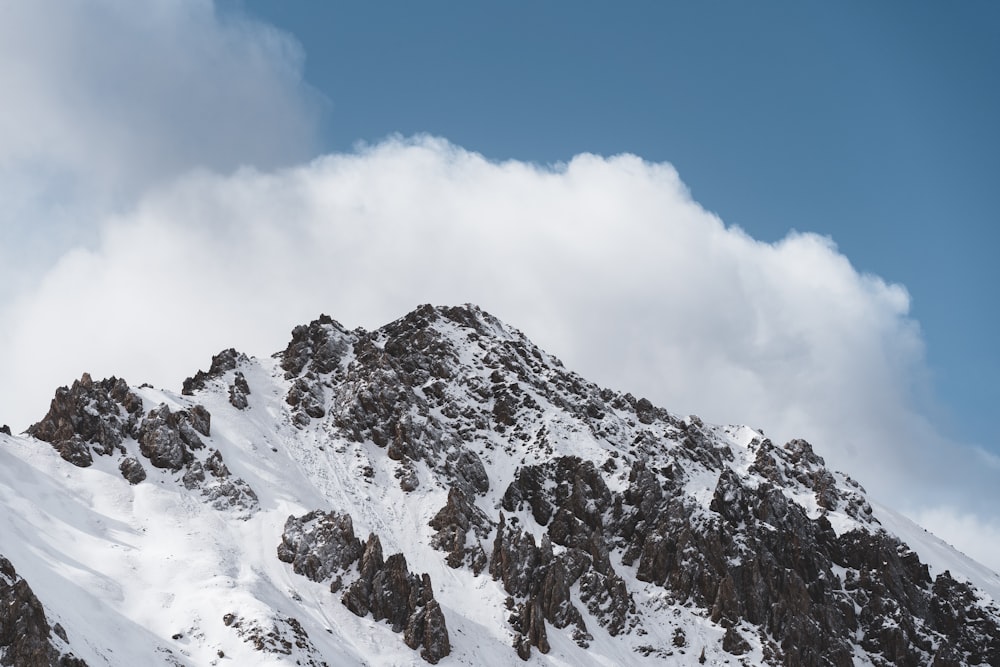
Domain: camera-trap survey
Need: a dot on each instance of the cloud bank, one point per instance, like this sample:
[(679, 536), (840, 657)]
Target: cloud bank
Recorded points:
[(139, 243), (606, 262), (104, 99)]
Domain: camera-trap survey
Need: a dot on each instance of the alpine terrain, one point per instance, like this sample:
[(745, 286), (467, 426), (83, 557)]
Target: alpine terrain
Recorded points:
[(442, 491)]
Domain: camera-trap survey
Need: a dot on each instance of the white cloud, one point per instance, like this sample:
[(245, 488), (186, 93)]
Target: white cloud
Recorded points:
[(606, 262), (104, 98), (975, 535)]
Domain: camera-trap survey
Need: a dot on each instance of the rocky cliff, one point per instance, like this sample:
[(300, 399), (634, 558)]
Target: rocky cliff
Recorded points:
[(528, 513)]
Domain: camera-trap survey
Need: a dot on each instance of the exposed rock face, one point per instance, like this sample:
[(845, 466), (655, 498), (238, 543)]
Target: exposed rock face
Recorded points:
[(390, 592), (451, 388), (314, 353), (132, 470), (222, 363), (168, 438), (89, 418), (453, 525), (26, 638), (284, 636), (569, 496), (106, 418), (598, 513), (907, 619), (320, 346), (779, 578), (219, 486), (754, 557), (380, 387), (796, 463), (322, 546), (238, 391)]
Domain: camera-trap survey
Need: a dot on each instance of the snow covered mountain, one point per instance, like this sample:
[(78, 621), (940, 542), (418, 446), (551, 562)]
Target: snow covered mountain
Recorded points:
[(440, 490)]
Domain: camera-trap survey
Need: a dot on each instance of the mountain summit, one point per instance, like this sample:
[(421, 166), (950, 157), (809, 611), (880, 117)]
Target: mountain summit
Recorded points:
[(441, 490)]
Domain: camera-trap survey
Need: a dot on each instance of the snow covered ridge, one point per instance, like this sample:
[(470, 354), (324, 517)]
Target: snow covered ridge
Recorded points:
[(440, 490)]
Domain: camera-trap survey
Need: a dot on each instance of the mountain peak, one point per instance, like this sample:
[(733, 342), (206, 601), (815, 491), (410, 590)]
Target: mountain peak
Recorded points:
[(524, 510)]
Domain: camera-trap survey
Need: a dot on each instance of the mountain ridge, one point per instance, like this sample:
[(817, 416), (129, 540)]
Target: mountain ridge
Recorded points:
[(525, 512)]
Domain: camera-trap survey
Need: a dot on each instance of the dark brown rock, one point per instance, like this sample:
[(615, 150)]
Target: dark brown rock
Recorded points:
[(307, 397), (453, 524), (390, 592), (319, 545), (318, 345), (161, 441), (167, 438), (970, 630), (238, 391), (132, 470), (407, 476), (515, 560), (89, 418), (527, 489), (223, 362), (25, 633), (733, 642), (427, 629)]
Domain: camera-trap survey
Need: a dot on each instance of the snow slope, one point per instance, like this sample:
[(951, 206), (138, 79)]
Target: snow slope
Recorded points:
[(151, 573)]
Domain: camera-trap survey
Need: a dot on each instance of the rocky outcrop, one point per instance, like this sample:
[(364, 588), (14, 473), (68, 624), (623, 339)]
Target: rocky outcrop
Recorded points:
[(771, 566), (311, 357), (453, 524), (89, 418), (796, 465), (390, 592), (283, 636), (168, 439), (222, 363), (26, 638), (317, 347), (570, 498), (449, 388), (753, 557), (219, 487), (172, 440), (539, 584), (905, 617), (375, 386), (106, 419), (593, 510), (238, 392), (322, 546), (132, 470)]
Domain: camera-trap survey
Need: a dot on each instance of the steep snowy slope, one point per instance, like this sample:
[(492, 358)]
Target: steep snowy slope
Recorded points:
[(256, 519)]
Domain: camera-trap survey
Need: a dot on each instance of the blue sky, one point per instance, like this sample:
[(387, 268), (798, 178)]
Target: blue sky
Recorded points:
[(190, 175), (872, 123)]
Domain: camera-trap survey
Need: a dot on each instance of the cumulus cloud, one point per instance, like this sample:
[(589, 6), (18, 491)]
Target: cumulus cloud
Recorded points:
[(125, 146), (103, 99), (606, 262)]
